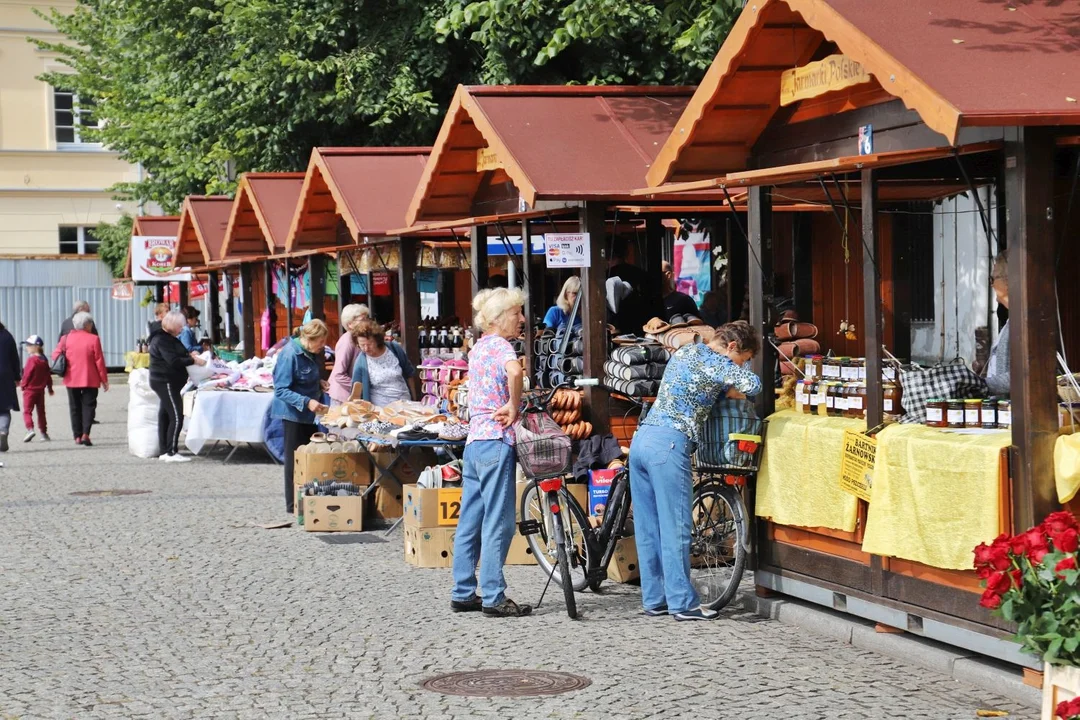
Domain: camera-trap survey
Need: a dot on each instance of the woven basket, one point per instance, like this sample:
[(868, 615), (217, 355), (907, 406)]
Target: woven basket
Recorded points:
[(1065, 389)]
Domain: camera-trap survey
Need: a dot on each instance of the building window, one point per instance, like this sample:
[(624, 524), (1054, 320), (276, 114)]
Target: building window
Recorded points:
[(72, 116), (78, 240)]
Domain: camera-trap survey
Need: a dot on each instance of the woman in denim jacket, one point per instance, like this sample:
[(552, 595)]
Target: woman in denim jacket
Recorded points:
[(298, 393)]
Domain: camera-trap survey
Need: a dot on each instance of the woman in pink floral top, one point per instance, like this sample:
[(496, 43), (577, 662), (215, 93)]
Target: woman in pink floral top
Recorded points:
[(488, 490)]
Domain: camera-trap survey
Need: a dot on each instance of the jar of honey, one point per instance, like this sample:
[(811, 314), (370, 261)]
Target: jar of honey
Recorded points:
[(1004, 414), (862, 369), (833, 402), (811, 367), (973, 413), (830, 368), (935, 413), (892, 395), (857, 401), (989, 413), (954, 413)]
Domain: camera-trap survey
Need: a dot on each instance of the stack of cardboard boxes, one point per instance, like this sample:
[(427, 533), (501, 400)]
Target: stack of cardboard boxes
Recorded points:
[(431, 518)]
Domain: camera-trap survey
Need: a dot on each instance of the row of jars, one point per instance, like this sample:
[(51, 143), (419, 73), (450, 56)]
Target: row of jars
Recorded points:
[(842, 399), (843, 369), (988, 414)]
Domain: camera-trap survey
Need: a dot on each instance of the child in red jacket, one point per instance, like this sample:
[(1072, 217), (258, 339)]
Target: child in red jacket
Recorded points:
[(36, 379)]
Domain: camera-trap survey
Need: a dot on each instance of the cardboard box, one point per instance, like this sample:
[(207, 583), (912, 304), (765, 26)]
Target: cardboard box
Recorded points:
[(580, 492), (429, 547), (331, 467), (333, 514), (431, 508), (599, 489), (624, 562), (520, 553), (408, 470), (389, 500)]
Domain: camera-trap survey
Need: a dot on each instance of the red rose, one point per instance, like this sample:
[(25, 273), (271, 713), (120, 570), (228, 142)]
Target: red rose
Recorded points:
[(1037, 545), (1068, 709), (990, 600), (999, 558), (1017, 545), (982, 555), (1068, 563), (1067, 540), (999, 583), (1059, 522)]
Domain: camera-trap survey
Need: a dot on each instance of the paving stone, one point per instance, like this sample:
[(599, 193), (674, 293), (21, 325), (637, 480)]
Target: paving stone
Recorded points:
[(168, 605)]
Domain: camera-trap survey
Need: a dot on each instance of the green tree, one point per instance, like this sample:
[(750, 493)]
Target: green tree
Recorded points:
[(115, 239)]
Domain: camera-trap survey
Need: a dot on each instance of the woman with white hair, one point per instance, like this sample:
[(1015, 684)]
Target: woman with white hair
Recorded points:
[(488, 490), (169, 361), (997, 367), (559, 313), (345, 353), (85, 373)]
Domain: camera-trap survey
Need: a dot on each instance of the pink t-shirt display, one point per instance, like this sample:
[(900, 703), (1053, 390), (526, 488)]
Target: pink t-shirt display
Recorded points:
[(488, 389)]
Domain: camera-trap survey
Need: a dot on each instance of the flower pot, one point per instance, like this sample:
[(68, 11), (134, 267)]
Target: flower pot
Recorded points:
[(1060, 682)]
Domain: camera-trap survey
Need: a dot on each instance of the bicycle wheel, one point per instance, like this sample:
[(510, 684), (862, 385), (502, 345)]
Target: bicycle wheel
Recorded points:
[(564, 571), (719, 542), (542, 543)]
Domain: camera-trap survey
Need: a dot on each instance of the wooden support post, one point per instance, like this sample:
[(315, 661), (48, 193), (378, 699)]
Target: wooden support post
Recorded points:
[(409, 298), (159, 292), (760, 231), (802, 266), (739, 267), (231, 332), (872, 320), (594, 313), (317, 299), (526, 284), (247, 330), (654, 258), (1033, 338), (271, 299), (479, 258), (215, 309), (183, 294), (344, 294)]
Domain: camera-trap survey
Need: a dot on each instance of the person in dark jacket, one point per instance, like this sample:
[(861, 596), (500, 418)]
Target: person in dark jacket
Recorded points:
[(160, 310), (169, 360), (10, 374), (298, 394), (68, 325)]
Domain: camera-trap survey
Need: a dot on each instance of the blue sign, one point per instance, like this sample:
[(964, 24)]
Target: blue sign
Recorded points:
[(866, 140)]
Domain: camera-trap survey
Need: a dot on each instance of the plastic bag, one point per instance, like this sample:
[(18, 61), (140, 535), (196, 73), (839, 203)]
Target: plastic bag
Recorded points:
[(198, 373), (142, 424), (543, 449)]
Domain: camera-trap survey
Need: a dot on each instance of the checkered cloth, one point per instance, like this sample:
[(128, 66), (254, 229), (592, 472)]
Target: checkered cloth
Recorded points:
[(948, 380)]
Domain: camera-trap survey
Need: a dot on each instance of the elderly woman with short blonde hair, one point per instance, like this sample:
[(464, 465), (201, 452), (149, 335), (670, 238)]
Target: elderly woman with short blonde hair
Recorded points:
[(559, 313), (346, 352), (496, 382)]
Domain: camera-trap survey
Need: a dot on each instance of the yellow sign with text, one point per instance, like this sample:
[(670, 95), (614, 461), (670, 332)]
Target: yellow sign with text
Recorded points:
[(857, 464), (487, 159), (449, 506), (835, 72)]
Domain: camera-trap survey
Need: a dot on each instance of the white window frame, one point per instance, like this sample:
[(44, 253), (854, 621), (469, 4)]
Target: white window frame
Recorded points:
[(81, 247), (76, 114)]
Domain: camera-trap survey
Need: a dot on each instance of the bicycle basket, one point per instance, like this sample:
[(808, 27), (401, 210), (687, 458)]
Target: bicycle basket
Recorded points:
[(543, 449), (732, 438)]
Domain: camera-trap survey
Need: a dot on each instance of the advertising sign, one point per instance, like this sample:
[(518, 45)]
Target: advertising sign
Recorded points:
[(835, 72), (152, 260), (857, 465), (567, 250)]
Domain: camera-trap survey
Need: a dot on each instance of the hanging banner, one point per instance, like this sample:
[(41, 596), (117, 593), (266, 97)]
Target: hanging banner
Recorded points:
[(692, 259), (152, 259), (567, 250), (382, 284), (835, 72), (857, 464), (198, 288), (123, 291)]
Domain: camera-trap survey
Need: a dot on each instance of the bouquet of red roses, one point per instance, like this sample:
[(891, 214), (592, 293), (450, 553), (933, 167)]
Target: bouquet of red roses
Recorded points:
[(1068, 709), (1031, 580)]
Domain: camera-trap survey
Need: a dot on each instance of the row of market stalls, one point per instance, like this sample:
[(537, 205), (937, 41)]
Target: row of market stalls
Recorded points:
[(815, 148)]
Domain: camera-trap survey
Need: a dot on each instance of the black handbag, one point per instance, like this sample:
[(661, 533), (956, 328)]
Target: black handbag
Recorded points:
[(59, 365)]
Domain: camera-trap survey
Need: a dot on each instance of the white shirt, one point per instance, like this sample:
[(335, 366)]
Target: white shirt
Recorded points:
[(387, 382)]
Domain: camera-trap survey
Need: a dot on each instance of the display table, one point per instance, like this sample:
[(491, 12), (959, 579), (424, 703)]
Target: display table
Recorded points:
[(935, 495), (798, 482), (136, 360), (223, 415)]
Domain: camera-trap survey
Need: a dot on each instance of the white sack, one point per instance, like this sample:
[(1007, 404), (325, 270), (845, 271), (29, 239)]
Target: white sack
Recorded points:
[(142, 422)]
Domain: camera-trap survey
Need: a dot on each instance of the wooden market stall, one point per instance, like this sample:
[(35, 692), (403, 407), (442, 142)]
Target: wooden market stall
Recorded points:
[(200, 237), (862, 108)]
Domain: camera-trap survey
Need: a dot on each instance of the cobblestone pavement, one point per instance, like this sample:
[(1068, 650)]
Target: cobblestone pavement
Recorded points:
[(168, 605)]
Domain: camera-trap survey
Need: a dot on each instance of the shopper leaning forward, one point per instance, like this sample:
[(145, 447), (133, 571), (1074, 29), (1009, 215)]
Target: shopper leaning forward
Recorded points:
[(169, 361), (298, 394), (488, 490), (660, 482)]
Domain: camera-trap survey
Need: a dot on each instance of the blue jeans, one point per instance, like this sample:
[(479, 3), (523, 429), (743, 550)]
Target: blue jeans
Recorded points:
[(487, 520), (662, 492)]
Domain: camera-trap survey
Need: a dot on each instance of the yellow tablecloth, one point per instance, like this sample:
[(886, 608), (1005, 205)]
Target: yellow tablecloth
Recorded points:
[(135, 360), (798, 482), (1067, 466), (936, 495)]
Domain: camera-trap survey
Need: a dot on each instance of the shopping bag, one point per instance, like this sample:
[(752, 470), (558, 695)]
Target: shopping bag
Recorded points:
[(543, 449), (948, 380)]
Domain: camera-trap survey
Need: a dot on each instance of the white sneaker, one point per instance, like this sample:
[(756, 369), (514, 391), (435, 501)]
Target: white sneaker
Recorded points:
[(30, 434), (177, 458), (164, 457)]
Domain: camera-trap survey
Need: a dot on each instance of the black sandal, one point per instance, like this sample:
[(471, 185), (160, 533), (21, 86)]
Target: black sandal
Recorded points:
[(508, 608), (467, 605)]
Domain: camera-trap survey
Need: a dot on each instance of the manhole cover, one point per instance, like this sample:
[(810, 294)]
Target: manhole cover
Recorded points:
[(349, 539), (505, 683), (107, 493)]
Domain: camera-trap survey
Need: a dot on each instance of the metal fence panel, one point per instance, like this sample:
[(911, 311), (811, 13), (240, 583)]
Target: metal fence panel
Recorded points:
[(120, 322)]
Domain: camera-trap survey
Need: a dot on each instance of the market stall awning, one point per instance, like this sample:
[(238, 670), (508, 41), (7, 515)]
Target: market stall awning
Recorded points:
[(151, 226), (957, 63), (446, 227), (366, 188), (819, 168), (201, 234), (537, 144), (261, 214)]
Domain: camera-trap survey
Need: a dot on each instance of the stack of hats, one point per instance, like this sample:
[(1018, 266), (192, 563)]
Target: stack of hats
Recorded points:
[(796, 339), (682, 330), (555, 366), (634, 368)]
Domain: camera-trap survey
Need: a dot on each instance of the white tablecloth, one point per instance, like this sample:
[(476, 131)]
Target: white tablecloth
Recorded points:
[(225, 415)]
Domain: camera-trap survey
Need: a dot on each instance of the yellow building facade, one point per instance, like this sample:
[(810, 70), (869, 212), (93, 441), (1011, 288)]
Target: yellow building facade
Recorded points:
[(53, 184)]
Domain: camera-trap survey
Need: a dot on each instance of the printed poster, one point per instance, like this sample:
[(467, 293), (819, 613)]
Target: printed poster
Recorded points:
[(152, 260)]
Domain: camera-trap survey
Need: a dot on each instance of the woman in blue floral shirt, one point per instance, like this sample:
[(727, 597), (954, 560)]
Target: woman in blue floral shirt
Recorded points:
[(660, 481)]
